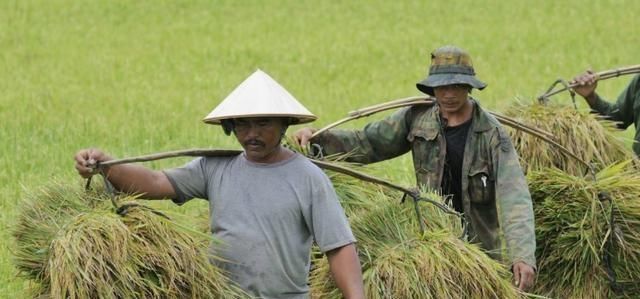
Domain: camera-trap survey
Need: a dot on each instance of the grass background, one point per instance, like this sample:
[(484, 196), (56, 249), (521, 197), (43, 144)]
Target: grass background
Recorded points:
[(137, 77)]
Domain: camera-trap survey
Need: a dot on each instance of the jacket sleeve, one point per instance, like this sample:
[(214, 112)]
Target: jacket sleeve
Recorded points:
[(623, 110), (378, 141), (514, 202)]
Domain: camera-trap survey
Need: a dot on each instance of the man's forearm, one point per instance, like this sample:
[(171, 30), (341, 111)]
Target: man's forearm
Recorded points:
[(346, 271), (591, 99), (136, 179)]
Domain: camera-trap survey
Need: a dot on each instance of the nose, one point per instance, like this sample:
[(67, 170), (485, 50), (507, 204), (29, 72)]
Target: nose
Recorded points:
[(253, 131)]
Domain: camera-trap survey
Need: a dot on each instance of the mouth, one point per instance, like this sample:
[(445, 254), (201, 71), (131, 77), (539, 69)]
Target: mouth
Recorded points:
[(447, 104), (253, 145)]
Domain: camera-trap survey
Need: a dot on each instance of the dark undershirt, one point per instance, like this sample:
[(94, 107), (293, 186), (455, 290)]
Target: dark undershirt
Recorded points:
[(456, 138)]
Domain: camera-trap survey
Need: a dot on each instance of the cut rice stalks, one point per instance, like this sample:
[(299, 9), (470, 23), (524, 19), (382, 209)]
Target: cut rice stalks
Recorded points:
[(577, 246), (73, 245), (400, 262), (591, 139)]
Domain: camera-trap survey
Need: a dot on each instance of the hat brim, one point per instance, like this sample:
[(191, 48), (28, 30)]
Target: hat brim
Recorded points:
[(437, 80), (295, 118)]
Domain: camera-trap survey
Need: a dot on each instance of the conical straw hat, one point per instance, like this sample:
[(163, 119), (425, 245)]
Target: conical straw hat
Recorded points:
[(260, 96)]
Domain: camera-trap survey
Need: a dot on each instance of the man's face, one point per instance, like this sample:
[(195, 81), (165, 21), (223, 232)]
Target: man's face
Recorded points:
[(260, 137), (452, 98)]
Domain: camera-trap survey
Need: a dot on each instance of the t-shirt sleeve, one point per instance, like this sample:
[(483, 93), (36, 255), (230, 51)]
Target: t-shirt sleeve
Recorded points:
[(189, 181), (328, 224)]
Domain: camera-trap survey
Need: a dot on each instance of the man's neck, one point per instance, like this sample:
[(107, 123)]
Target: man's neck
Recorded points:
[(277, 155), (459, 117)]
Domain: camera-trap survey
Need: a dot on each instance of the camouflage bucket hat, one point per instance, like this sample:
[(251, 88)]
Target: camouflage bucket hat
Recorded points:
[(449, 65)]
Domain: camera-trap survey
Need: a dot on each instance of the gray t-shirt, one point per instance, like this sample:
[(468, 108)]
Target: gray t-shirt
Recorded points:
[(267, 215)]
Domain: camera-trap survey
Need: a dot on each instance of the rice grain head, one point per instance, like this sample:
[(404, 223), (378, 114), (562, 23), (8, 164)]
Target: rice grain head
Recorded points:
[(585, 135)]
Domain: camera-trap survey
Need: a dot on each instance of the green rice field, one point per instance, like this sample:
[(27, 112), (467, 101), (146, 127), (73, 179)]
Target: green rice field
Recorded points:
[(137, 77)]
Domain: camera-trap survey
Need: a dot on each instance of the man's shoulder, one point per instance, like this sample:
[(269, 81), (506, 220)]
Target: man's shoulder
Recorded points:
[(303, 173), (210, 161), (423, 116), (427, 110), (484, 117), (303, 166)]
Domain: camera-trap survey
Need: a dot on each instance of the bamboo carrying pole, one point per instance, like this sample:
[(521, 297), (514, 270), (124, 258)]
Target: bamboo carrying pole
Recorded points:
[(418, 100), (410, 101), (322, 164), (633, 69)]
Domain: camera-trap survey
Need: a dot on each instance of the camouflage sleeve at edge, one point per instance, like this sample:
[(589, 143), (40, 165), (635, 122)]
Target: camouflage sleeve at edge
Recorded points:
[(514, 201), (379, 140), (623, 109)]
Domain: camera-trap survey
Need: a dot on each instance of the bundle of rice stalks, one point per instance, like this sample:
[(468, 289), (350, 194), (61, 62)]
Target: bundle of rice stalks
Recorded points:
[(73, 245), (398, 261), (42, 215), (589, 138), (574, 234)]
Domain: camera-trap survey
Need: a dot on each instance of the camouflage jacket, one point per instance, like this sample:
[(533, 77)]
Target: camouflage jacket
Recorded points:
[(495, 191), (626, 110)]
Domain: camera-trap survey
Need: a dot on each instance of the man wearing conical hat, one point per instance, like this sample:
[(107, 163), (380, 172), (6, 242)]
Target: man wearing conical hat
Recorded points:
[(457, 148), (267, 204)]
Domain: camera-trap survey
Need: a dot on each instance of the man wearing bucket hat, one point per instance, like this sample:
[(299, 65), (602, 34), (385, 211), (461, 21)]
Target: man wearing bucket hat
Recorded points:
[(458, 148), (267, 204), (626, 109)]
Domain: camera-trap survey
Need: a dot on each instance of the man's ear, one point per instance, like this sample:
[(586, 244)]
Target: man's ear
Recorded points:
[(285, 125), (227, 126)]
